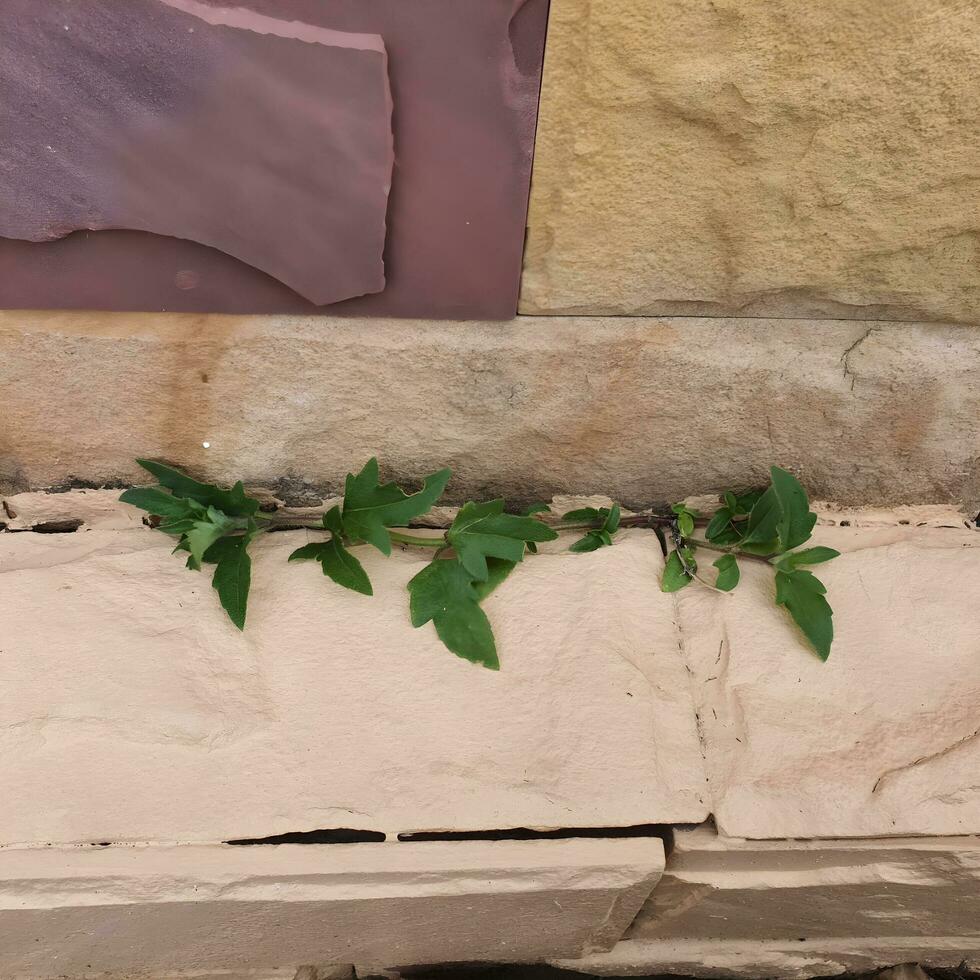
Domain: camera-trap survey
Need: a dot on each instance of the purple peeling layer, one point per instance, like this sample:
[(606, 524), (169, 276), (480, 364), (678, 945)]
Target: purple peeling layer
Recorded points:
[(266, 140), (464, 77)]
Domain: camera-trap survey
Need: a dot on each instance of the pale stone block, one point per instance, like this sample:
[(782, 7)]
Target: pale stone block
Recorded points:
[(881, 740), (251, 910), (759, 157), (639, 409), (719, 888), (132, 710)]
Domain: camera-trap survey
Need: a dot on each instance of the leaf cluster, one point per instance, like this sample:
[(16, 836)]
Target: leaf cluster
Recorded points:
[(484, 545), (766, 524), (214, 527)]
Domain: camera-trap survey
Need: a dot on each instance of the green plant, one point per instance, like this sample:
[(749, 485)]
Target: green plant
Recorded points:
[(484, 544)]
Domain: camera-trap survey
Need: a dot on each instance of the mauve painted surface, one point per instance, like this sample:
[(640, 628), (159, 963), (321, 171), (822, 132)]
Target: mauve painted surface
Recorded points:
[(270, 143), (464, 77)]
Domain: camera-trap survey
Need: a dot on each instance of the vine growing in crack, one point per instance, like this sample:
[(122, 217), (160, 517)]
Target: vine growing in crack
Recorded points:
[(485, 543)]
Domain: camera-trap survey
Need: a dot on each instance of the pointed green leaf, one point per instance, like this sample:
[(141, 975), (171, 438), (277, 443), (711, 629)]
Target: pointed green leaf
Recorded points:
[(728, 573), (674, 577), (719, 524), (802, 593), (370, 508), (232, 575), (582, 515), (731, 501), (481, 531), (808, 556), (156, 501), (613, 516), (764, 520), (443, 593), (204, 534), (796, 521), (591, 542), (234, 501)]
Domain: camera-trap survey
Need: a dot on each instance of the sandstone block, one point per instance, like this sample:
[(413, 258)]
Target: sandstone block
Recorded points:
[(882, 739), (758, 157), (132, 710), (249, 911), (865, 413)]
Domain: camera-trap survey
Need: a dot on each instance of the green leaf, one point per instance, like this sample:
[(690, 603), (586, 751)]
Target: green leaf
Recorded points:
[(591, 542), (808, 556), (369, 507), (796, 521), (538, 508), (204, 534), (728, 573), (443, 593), (731, 501), (498, 571), (802, 593), (484, 530), (583, 514), (158, 502), (744, 502), (613, 516), (234, 501), (674, 577), (764, 520), (232, 575), (337, 563), (719, 524)]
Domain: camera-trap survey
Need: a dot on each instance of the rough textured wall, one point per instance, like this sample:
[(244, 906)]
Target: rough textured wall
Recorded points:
[(758, 157), (643, 409)]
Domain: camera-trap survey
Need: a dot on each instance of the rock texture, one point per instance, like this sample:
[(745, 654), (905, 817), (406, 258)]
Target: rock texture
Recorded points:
[(73, 912), (641, 409), (884, 738), (136, 712), (266, 139), (464, 76), (720, 888), (758, 157), (749, 959)]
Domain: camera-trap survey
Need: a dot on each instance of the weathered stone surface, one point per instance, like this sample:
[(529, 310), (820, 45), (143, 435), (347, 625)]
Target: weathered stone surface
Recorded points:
[(465, 77), (153, 910), (643, 410), (764, 157), (784, 958), (133, 709), (883, 739), (719, 888), (267, 139)]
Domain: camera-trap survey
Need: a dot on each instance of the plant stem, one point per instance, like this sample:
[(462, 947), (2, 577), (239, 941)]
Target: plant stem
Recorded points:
[(698, 543), (419, 542)]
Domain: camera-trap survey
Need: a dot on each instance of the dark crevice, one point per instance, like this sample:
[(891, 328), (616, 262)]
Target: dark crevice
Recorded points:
[(562, 833), (47, 527), (336, 836)]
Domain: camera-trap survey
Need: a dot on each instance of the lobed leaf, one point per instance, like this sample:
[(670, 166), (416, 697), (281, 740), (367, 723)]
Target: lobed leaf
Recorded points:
[(444, 593), (370, 508), (482, 531), (234, 502)]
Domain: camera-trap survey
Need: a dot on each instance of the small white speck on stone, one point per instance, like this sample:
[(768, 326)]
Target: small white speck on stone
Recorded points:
[(206, 445)]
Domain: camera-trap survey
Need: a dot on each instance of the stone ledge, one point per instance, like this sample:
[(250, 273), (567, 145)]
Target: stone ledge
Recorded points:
[(867, 413), (788, 960), (153, 910), (722, 889)]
